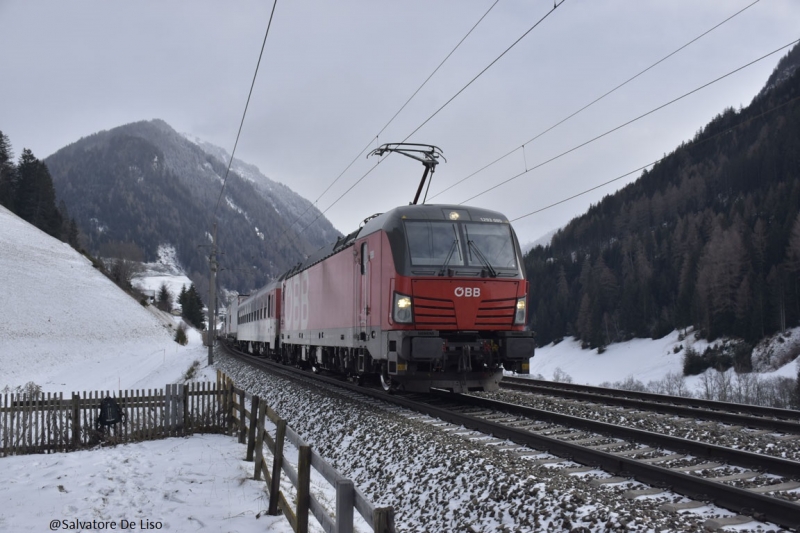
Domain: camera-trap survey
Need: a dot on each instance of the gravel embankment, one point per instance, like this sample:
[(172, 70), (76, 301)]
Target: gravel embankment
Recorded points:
[(441, 482)]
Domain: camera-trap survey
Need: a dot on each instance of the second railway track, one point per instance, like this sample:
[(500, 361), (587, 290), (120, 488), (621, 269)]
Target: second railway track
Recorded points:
[(746, 415)]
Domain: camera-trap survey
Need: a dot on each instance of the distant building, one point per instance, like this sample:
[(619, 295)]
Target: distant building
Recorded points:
[(150, 295)]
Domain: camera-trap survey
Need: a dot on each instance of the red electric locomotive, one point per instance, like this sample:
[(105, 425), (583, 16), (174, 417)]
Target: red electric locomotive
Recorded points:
[(422, 296)]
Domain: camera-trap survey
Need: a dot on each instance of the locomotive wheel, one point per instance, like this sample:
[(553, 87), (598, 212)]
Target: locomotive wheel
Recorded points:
[(386, 379)]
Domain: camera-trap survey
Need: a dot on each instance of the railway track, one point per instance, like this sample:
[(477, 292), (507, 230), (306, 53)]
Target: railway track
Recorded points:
[(756, 486), (744, 415)]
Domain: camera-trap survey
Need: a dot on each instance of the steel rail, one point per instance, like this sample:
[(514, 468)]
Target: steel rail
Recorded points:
[(622, 399), (711, 405), (759, 506)]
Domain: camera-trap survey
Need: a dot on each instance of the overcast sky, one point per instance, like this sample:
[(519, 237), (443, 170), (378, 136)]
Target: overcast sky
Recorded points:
[(335, 72)]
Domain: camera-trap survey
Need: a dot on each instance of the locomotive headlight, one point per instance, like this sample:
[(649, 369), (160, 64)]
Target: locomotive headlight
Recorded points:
[(402, 309), (519, 315)]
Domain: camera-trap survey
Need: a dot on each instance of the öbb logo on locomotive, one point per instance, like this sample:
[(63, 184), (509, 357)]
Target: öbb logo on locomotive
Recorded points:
[(474, 292), (420, 297)]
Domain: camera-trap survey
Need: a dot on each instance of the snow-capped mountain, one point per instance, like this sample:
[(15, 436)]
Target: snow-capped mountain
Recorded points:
[(137, 187)]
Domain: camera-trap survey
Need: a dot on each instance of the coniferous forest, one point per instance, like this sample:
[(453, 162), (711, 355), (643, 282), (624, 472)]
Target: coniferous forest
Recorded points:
[(26, 189), (709, 237)]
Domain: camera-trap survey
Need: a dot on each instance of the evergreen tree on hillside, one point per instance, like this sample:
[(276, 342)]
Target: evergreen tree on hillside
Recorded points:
[(8, 173), (164, 298), (182, 296), (709, 237), (35, 199), (69, 228), (193, 308)]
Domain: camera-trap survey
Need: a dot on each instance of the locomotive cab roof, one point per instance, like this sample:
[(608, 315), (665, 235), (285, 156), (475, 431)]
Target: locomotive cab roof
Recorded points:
[(391, 219), (392, 222)]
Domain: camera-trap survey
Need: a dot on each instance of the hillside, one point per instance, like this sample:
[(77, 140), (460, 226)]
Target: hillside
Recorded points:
[(66, 327), (143, 185), (709, 237)]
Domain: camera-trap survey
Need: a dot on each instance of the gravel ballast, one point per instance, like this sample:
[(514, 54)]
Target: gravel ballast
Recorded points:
[(438, 481)]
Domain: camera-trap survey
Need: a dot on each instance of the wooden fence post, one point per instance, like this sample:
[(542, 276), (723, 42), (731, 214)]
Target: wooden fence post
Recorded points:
[(383, 520), (242, 417), (76, 420), (231, 393), (259, 444), (277, 464), (345, 496), (168, 410), (187, 429), (6, 408), (251, 433), (303, 488)]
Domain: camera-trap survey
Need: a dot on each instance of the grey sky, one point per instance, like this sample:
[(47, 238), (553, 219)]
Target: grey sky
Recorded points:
[(334, 73)]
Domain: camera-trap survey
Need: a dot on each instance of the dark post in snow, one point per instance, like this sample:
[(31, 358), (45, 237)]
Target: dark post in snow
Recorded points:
[(212, 295)]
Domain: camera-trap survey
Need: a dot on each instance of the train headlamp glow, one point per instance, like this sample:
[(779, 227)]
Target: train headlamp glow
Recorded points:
[(401, 312), (453, 215), (519, 315)]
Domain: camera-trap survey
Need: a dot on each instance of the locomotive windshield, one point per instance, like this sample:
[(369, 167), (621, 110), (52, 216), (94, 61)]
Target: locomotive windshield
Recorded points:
[(493, 242), (430, 243), (453, 244)]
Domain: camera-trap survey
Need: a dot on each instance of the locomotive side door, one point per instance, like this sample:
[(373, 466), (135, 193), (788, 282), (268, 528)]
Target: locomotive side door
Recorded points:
[(362, 288)]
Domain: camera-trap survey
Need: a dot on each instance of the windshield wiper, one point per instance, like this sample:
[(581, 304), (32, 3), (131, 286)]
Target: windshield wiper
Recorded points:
[(449, 256), (492, 272)]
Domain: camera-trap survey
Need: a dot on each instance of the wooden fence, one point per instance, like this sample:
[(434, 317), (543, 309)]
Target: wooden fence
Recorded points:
[(49, 423), (249, 425)]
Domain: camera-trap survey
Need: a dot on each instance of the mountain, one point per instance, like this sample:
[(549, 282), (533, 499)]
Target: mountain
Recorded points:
[(291, 205), (709, 237), (143, 185), (786, 68)]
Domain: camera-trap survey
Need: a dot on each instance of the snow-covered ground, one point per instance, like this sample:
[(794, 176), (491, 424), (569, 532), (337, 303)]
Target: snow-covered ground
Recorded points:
[(165, 271), (645, 360), (199, 483)]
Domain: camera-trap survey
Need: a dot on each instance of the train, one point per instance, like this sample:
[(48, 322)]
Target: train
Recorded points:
[(419, 297)]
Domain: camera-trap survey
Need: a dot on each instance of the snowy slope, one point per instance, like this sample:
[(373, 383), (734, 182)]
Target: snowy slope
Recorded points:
[(645, 360), (66, 327)]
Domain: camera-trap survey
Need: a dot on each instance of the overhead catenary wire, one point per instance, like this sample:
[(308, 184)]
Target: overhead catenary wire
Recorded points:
[(643, 115), (246, 105), (648, 165), (387, 124), (590, 104), (555, 5)]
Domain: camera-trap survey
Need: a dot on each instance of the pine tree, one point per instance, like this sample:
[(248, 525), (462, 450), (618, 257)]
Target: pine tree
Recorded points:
[(73, 234), (164, 298), (193, 308), (182, 296), (8, 174), (35, 199), (180, 336)]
